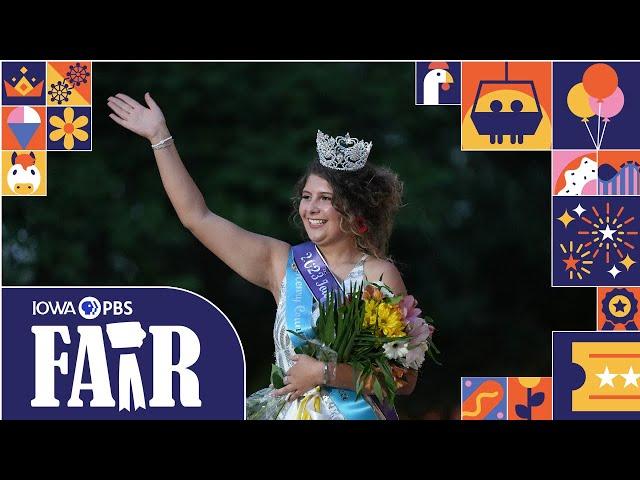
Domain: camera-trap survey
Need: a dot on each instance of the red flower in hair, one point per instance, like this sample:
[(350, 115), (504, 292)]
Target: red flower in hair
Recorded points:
[(361, 226)]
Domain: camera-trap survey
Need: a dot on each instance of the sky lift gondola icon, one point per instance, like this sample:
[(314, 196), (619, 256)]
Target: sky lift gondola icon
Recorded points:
[(508, 119)]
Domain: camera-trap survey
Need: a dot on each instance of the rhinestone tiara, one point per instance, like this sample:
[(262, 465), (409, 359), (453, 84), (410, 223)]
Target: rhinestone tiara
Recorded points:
[(342, 153)]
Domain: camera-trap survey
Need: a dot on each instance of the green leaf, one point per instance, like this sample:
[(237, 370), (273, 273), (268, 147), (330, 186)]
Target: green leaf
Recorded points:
[(299, 335), (329, 334), (394, 300), (377, 389), (358, 374), (431, 354), (387, 375), (391, 397), (384, 366), (277, 376)]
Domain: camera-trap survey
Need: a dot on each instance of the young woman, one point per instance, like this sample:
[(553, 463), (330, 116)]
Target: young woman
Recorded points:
[(346, 208)]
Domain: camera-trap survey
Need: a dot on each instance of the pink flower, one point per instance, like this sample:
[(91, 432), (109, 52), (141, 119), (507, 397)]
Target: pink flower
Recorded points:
[(408, 308), (415, 357), (415, 327), (418, 330)]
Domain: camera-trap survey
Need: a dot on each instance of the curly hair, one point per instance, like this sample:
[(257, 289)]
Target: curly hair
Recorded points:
[(367, 199)]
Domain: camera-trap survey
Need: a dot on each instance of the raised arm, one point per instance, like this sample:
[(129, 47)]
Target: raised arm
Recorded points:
[(257, 258)]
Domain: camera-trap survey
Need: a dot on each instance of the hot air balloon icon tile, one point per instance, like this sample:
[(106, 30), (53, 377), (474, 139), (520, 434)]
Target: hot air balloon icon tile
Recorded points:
[(24, 173), (506, 106), (437, 83), (594, 105), (530, 398), (618, 308), (483, 398), (23, 128), (69, 128), (68, 83), (595, 241), (596, 375), (23, 83)]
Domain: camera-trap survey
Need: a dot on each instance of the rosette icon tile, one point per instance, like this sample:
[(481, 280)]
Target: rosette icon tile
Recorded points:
[(618, 308)]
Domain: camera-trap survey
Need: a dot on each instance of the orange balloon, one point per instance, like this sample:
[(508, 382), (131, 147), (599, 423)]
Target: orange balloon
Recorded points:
[(600, 80)]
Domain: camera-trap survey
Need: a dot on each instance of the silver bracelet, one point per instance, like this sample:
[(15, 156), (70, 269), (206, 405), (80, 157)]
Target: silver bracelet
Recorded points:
[(329, 373), (163, 143), (168, 144)]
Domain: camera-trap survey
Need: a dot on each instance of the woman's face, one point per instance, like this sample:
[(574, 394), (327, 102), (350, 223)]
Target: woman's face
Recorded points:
[(321, 220)]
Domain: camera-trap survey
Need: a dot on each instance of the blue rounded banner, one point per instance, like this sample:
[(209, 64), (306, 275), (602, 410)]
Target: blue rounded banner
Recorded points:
[(118, 353)]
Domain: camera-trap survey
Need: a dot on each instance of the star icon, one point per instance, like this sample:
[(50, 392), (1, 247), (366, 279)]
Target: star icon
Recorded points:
[(571, 262), (606, 378), (607, 233), (614, 271), (627, 262), (579, 210), (620, 306), (565, 218), (630, 378)]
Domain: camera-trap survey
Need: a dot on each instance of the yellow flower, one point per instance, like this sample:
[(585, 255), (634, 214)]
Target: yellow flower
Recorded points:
[(370, 313), (529, 382), (384, 319), (390, 320), (68, 128)]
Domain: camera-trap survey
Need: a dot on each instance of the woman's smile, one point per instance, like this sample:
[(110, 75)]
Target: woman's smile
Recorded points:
[(316, 222)]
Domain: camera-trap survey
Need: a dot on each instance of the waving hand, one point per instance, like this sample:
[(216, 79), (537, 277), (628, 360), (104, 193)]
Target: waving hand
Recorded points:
[(146, 121)]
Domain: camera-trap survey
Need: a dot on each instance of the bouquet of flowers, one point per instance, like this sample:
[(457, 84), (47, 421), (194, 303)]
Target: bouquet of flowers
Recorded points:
[(381, 335)]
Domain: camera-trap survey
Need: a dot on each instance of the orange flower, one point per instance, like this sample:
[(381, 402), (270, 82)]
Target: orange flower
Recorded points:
[(372, 292), (398, 376), (398, 372), (369, 379)]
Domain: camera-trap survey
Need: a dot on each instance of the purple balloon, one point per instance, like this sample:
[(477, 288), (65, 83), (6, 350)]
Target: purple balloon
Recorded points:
[(610, 106)]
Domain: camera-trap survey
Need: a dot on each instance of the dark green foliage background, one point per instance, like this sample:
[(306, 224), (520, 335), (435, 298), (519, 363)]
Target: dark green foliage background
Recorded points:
[(473, 241)]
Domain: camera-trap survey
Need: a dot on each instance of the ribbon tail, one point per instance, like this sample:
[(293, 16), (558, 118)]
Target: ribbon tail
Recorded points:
[(310, 407), (130, 383), (123, 385)]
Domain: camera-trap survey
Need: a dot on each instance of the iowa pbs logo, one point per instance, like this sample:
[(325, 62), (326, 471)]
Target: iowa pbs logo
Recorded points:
[(89, 307)]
